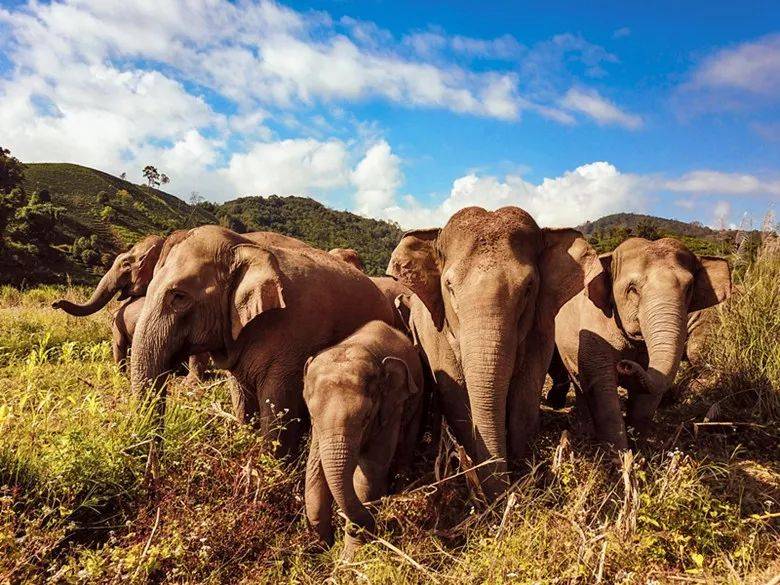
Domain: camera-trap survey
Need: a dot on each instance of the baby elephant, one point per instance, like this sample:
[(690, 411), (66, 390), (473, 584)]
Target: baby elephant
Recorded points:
[(365, 400)]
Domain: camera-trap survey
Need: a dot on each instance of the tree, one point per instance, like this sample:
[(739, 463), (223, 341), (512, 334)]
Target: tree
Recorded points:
[(123, 176), (195, 198), (152, 175), (164, 179), (647, 229), (9, 203), (11, 171)]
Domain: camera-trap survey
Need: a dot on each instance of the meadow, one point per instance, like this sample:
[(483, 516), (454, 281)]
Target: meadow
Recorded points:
[(82, 500)]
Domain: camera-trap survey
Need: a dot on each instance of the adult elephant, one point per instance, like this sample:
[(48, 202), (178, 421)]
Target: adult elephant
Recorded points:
[(130, 275), (628, 328), (260, 310), (390, 287), (488, 286)]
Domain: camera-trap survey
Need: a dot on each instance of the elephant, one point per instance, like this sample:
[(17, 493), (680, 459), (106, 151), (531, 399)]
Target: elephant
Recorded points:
[(698, 326), (486, 289), (628, 328), (260, 310), (364, 397), (130, 275), (397, 294), (349, 256)]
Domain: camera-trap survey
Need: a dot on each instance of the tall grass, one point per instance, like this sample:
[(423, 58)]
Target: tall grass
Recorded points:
[(79, 502), (745, 346)]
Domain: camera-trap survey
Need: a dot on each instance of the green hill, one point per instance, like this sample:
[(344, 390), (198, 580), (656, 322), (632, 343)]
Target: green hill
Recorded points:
[(98, 215), (312, 222), (634, 220), (136, 210), (609, 231)]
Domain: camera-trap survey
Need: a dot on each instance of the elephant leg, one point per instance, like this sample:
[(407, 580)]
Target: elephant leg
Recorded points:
[(598, 376), (525, 389), (196, 368), (370, 481), (319, 500), (283, 416), (120, 349), (453, 401), (556, 397), (244, 399), (641, 409)]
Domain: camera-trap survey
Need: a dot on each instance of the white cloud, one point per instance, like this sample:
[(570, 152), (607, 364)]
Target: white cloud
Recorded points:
[(721, 214), (289, 167), (622, 32), (752, 67), (708, 181), (588, 192), (745, 77), (376, 179), (96, 115), (603, 111)]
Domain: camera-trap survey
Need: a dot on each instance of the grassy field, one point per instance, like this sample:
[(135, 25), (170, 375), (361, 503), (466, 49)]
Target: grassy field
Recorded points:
[(79, 503)]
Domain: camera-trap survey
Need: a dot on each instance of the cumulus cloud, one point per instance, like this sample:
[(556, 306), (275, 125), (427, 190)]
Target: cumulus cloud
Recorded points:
[(707, 182), (289, 167), (600, 109), (587, 192), (376, 179)]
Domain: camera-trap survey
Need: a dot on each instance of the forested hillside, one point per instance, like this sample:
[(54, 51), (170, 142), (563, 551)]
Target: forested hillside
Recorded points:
[(314, 223), (66, 223)]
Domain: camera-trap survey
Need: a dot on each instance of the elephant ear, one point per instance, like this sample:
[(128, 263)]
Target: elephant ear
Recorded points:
[(402, 304), (257, 288), (567, 263), (415, 263), (598, 284), (398, 385), (144, 270), (712, 283)]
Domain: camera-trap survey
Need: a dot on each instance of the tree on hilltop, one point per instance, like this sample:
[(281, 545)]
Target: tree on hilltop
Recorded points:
[(152, 175), (11, 171)]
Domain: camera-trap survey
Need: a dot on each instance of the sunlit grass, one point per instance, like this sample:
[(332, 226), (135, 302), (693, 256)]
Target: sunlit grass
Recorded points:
[(82, 500)]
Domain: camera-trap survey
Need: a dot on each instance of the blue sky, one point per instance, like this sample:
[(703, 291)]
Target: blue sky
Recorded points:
[(407, 110)]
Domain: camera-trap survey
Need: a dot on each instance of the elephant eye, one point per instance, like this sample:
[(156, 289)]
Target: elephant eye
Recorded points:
[(179, 300)]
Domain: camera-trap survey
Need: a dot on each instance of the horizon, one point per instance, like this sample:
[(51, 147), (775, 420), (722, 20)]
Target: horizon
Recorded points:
[(409, 114)]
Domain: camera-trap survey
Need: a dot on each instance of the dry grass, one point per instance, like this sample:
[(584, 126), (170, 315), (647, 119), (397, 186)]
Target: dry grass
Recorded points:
[(699, 504)]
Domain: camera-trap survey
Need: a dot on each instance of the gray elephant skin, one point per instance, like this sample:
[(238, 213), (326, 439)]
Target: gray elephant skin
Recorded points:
[(364, 396), (260, 310), (487, 288), (628, 328)]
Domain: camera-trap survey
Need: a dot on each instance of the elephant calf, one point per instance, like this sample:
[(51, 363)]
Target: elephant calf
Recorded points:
[(628, 328), (364, 397)]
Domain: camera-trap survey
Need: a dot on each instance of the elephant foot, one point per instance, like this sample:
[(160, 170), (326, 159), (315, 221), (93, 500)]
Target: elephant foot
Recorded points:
[(351, 546), (325, 535), (556, 397)]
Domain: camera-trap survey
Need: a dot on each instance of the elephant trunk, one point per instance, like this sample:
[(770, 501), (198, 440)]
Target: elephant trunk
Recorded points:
[(338, 453), (664, 329), (103, 293), (488, 348), (151, 355)]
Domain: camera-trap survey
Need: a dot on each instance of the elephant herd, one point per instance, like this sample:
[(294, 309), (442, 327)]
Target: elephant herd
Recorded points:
[(471, 315)]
